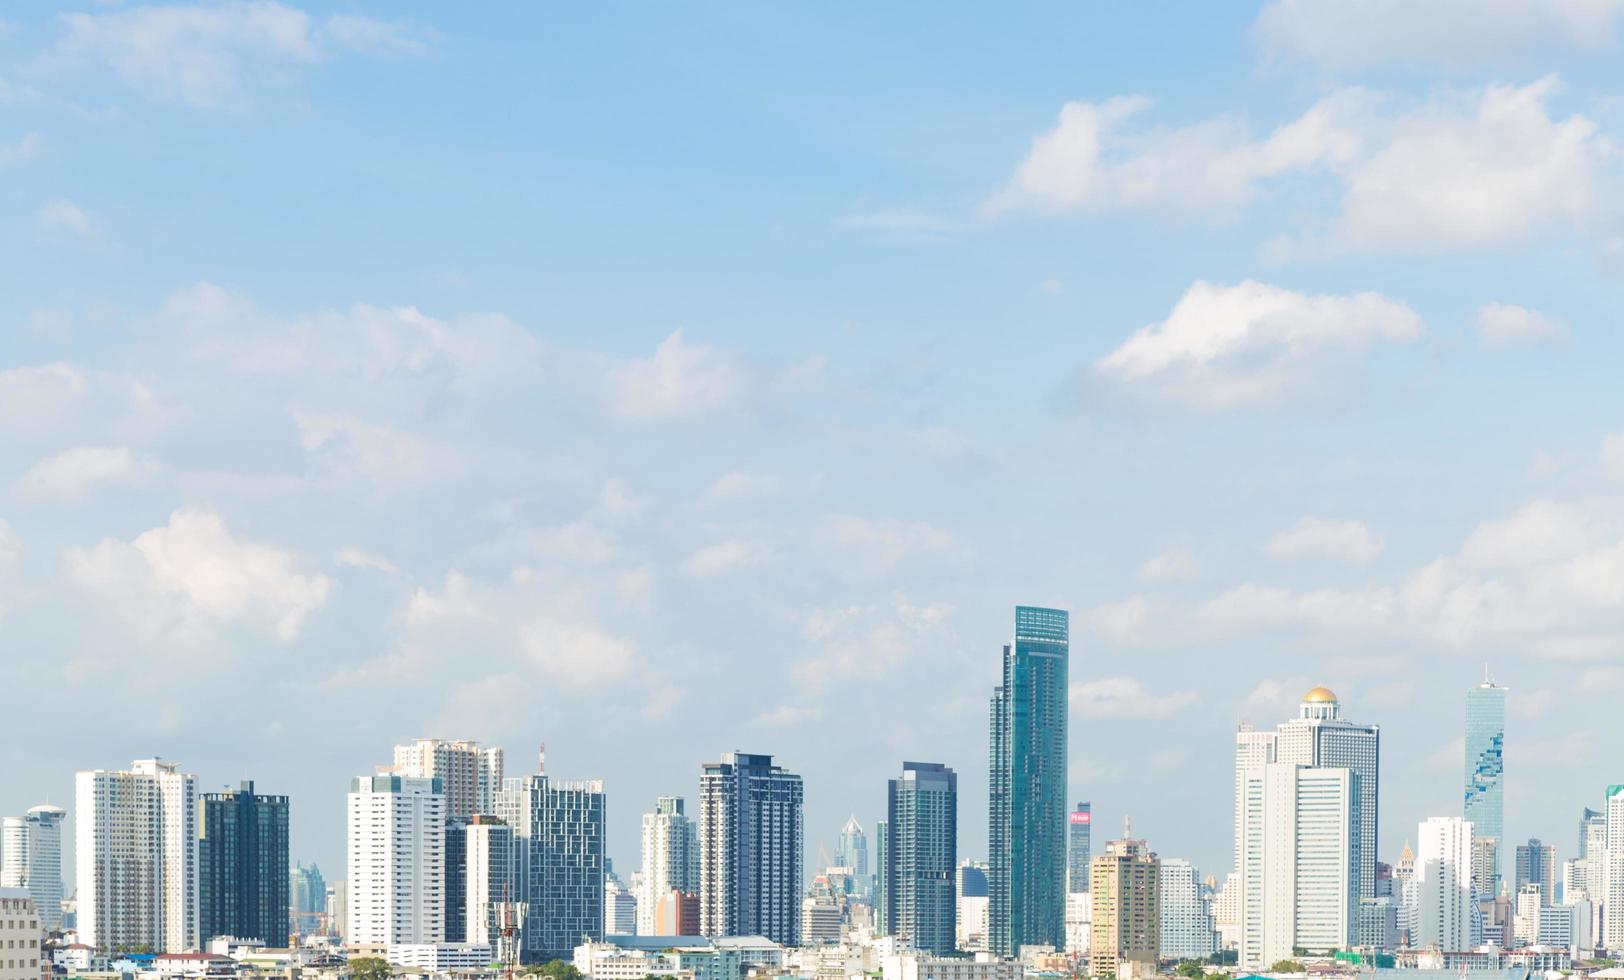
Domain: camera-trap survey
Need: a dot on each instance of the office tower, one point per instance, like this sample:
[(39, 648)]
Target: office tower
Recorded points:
[(471, 775), (135, 845), (1299, 854), (31, 858), (242, 866), (921, 847), (1126, 920), (454, 870), (492, 882), (1404, 890), (1485, 771), (1026, 818), (750, 847), (1320, 737), (1536, 865), (395, 864), (558, 826), (1186, 917), (1612, 877), (1592, 833), (1444, 901), (670, 858), (971, 888), (1485, 852), (619, 907), (308, 901), (20, 928), (851, 852), (1079, 852)]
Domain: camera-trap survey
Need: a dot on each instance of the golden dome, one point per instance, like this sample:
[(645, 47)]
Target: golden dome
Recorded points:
[(1319, 695)]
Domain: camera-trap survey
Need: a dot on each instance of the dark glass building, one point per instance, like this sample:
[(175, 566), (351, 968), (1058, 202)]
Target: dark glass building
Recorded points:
[(242, 864), (1081, 849), (919, 848)]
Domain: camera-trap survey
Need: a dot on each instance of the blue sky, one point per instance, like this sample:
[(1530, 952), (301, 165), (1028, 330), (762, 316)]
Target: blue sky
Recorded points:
[(662, 381)]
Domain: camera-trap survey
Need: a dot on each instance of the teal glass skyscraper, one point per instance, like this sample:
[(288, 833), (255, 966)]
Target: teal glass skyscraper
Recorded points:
[(1485, 766), (1026, 825)]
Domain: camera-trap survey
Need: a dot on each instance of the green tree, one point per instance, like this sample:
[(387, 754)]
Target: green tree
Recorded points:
[(1191, 969), (554, 970), (1286, 966), (370, 968)]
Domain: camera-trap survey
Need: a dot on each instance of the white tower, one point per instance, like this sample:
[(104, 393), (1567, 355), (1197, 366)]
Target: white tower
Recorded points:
[(136, 851)]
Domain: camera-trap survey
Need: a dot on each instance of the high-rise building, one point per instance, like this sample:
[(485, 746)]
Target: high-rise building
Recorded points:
[(1126, 920), (308, 901), (676, 913), (395, 843), (971, 888), (1299, 852), (1319, 736), (1485, 853), (135, 845), (1187, 931), (1079, 852), (921, 848), (1592, 833), (338, 910), (1444, 900), (851, 852), (751, 840), (1026, 833), (454, 870), (1485, 771), (1536, 865), (1613, 868), (242, 864), (471, 775), (670, 858), (493, 878), (619, 907), (31, 858), (559, 828), (20, 929)]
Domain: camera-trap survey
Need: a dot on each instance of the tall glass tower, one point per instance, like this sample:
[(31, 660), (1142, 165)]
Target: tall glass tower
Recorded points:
[(1485, 768), (1081, 853), (921, 851), (1026, 826)]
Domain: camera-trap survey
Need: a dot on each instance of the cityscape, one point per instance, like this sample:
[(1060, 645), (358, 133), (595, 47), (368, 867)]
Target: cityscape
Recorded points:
[(803, 490)]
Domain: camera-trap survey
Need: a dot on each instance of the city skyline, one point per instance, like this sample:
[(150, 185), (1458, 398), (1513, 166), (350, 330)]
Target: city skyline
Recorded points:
[(710, 380)]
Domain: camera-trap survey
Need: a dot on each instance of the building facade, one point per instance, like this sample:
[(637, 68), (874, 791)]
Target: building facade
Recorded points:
[(395, 845), (309, 901), (1536, 865), (851, 852), (921, 856), (242, 863), (1485, 771), (1187, 931), (1126, 920), (1299, 859), (558, 826), (1079, 848), (1026, 836), (751, 840), (670, 857), (31, 858), (470, 775), (20, 931), (1445, 905), (135, 840), (971, 888), (1612, 876), (492, 884)]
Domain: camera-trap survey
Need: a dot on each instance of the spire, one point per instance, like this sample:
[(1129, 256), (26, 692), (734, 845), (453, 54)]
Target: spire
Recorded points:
[(852, 826)]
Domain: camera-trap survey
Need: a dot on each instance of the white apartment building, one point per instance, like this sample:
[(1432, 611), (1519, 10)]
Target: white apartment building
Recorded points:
[(19, 936), (909, 965), (469, 776), (136, 855), (440, 957), (1186, 919), (1612, 877), (1299, 859), (670, 858), (493, 878), (396, 861), (1443, 886)]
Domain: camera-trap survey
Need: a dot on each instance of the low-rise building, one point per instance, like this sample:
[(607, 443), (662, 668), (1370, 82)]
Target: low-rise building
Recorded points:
[(909, 965), (441, 957), (20, 935)]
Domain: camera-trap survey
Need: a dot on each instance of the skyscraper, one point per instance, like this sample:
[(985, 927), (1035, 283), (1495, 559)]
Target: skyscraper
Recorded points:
[(751, 838), (492, 877), (242, 863), (1485, 769), (1126, 923), (1187, 931), (972, 911), (670, 858), (309, 901), (135, 845), (1444, 906), (1536, 865), (395, 843), (558, 826), (31, 858), (851, 851), (1079, 849), (1613, 867), (1299, 849), (1026, 833), (921, 846), (1320, 737), (470, 775)]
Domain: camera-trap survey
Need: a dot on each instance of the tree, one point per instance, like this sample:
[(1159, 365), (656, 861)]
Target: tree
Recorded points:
[(370, 968), (554, 970), (1286, 966), (1191, 969)]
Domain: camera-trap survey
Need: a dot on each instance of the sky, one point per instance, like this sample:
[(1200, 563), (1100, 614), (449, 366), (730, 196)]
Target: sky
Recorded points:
[(654, 381)]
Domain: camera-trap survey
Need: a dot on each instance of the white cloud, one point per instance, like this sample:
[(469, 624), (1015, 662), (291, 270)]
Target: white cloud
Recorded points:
[(1130, 622), (1464, 170), (1350, 34), (739, 487), (65, 217), (724, 557), (1272, 699), (1448, 756), (55, 400), (204, 54), (1253, 345), (1541, 531), (349, 447), (192, 574), (74, 474), (1125, 697), (1315, 537), (867, 641), (1170, 566), (1500, 326), (681, 379), (862, 548), (365, 561)]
